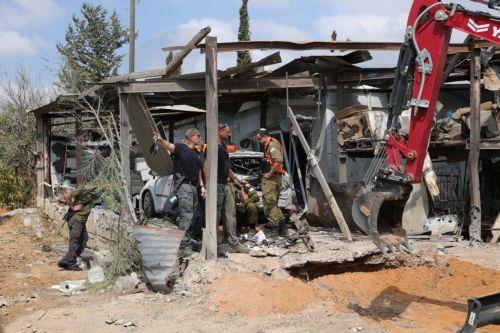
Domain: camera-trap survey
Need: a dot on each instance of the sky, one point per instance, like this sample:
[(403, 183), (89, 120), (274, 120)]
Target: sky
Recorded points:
[(31, 29)]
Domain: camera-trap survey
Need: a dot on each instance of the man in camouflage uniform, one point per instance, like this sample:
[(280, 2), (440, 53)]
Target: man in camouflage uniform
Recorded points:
[(249, 198), (273, 158), (80, 202)]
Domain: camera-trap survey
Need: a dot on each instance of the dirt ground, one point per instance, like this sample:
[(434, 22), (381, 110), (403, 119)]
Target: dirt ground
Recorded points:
[(406, 298)]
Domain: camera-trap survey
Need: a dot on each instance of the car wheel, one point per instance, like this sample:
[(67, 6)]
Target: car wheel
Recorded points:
[(148, 205)]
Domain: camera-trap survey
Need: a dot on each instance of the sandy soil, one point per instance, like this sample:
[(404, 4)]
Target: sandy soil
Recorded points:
[(410, 298)]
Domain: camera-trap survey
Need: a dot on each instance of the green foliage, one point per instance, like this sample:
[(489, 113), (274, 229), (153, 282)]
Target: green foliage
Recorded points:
[(13, 189), (170, 57), (18, 137), (244, 57), (101, 174), (89, 52)]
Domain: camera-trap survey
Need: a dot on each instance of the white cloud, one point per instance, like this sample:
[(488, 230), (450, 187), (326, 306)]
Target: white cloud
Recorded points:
[(24, 13), (271, 30), (15, 43), (150, 55), (16, 15), (363, 27)]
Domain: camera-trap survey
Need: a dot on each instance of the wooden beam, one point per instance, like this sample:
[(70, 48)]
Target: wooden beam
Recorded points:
[(318, 45), (210, 232), (124, 139), (40, 165), (79, 147), (224, 85), (271, 59), (475, 131), (318, 174), (177, 61)]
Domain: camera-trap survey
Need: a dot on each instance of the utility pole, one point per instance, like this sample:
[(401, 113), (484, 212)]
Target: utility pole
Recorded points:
[(131, 41)]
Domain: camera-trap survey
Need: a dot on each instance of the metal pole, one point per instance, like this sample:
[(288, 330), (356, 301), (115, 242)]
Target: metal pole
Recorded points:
[(131, 41)]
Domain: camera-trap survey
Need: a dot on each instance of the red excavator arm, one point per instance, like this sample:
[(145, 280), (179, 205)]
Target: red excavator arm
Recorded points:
[(416, 86), (429, 29)]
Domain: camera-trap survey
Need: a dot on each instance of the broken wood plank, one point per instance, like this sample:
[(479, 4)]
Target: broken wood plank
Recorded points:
[(179, 56), (272, 59), (144, 126), (316, 171), (495, 230), (319, 45)]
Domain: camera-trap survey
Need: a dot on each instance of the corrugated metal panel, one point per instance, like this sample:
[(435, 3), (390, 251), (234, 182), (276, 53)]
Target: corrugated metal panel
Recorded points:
[(158, 247), (143, 125)]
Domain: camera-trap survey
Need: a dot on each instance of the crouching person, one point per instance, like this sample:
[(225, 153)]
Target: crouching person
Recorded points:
[(80, 203)]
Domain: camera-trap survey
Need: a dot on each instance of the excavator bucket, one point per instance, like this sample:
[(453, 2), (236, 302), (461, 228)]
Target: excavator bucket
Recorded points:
[(378, 213)]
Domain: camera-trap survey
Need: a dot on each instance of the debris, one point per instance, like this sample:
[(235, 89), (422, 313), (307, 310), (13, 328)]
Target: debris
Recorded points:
[(4, 302), (214, 308), (12, 213), (258, 253), (440, 225), (129, 324), (110, 321), (72, 286), (126, 284), (55, 286), (46, 248), (96, 275), (276, 251), (259, 237), (119, 322), (39, 263)]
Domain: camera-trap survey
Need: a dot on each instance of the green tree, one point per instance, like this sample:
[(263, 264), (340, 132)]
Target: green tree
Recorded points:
[(170, 57), (18, 137), (244, 57), (89, 51)]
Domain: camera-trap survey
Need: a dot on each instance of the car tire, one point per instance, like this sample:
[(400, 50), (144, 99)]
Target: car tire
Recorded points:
[(148, 205)]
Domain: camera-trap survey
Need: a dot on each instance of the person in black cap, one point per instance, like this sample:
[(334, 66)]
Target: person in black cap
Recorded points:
[(271, 183)]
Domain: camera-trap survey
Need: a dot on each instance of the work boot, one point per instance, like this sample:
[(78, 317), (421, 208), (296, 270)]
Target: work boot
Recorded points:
[(238, 248), (282, 229)]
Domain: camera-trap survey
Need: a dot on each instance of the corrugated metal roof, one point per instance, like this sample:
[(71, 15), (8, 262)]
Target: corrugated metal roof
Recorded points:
[(158, 247)]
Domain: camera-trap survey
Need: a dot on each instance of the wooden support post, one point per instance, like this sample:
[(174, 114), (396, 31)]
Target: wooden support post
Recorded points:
[(475, 131), (342, 156), (209, 247), (124, 139), (40, 164), (318, 174), (263, 112), (79, 147)]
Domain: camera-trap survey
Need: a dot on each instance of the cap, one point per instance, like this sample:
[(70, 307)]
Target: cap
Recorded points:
[(224, 125), (262, 131)]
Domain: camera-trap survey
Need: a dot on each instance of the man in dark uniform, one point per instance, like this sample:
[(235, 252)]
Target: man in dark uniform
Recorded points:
[(187, 171), (226, 206), (271, 184), (80, 202)]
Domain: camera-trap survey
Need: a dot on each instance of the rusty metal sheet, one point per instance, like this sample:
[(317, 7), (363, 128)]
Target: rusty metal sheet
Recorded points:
[(144, 126), (158, 247)]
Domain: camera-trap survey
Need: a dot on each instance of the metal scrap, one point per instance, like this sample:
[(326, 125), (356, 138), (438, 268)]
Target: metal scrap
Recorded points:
[(158, 247)]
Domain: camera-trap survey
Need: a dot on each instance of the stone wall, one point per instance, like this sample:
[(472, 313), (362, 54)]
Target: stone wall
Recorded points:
[(100, 225)]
